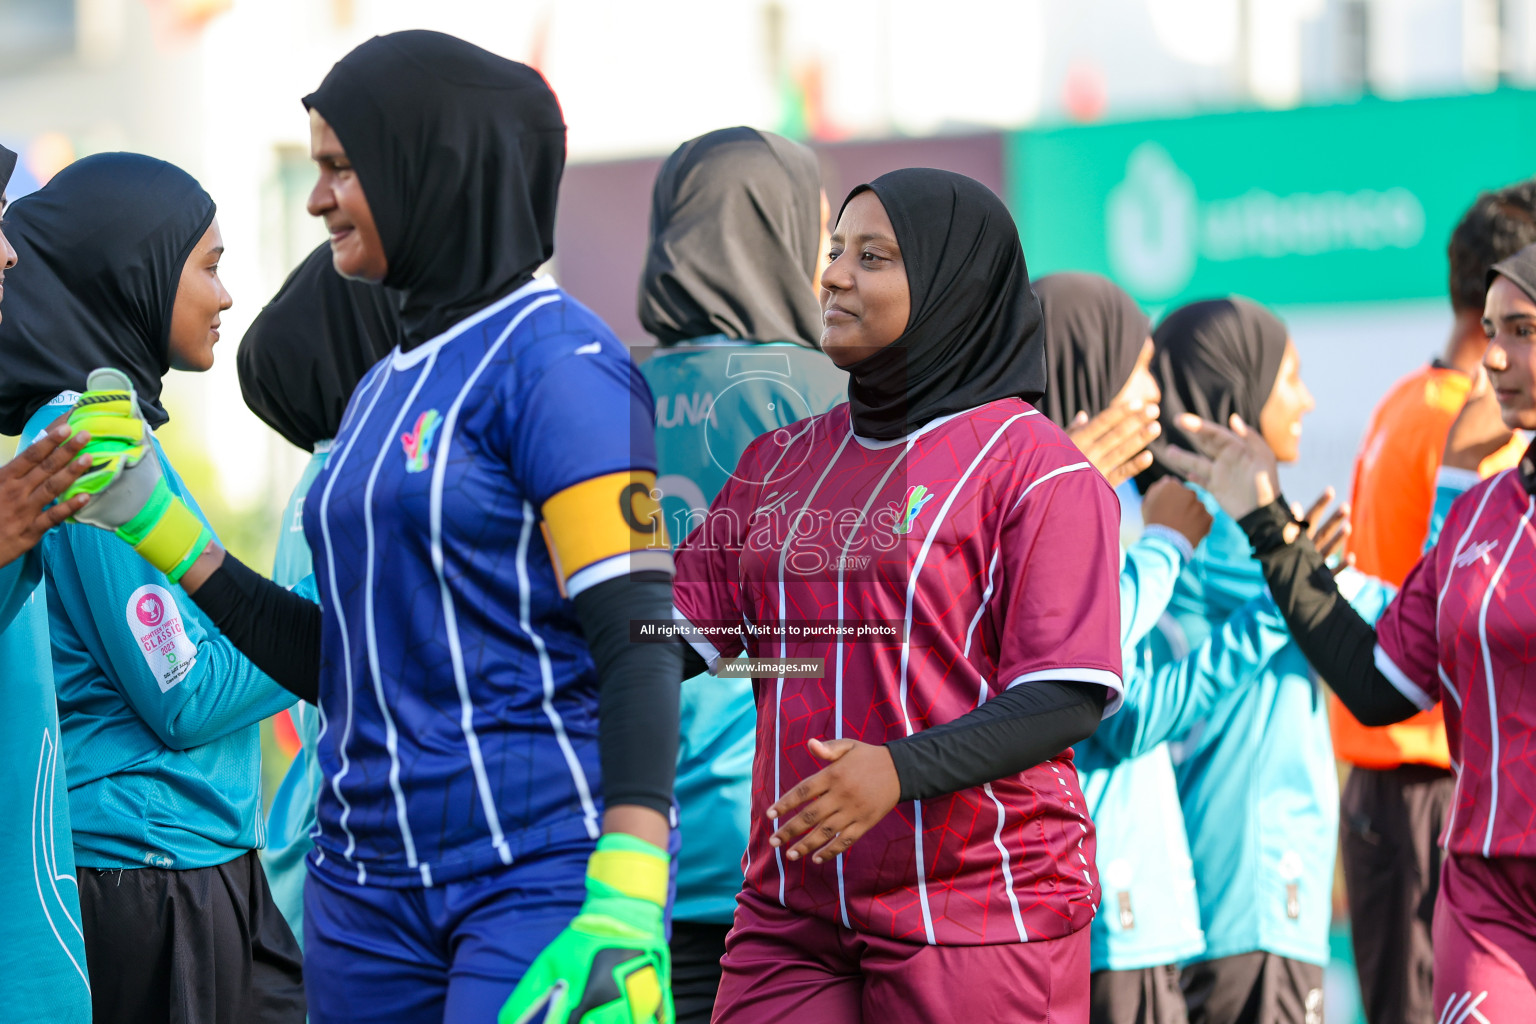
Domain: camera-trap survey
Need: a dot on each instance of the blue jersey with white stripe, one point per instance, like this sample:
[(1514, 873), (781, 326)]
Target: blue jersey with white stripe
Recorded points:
[(458, 698)]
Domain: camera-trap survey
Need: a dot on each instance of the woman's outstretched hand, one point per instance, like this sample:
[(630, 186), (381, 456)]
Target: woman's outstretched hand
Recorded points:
[(839, 803), (1116, 440), (1328, 535), (1236, 466), (1171, 504), (31, 481)]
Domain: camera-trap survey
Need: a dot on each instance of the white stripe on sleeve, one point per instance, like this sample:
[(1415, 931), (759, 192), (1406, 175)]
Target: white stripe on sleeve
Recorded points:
[(614, 566), (1109, 680), (1399, 679), (705, 649)]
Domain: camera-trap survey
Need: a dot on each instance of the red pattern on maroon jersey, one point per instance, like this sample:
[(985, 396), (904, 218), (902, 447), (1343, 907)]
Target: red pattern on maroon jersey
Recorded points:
[(1486, 555), (1018, 574)]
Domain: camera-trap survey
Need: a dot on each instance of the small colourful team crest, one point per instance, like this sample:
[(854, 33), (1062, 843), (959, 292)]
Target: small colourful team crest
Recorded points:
[(419, 441), (912, 507)]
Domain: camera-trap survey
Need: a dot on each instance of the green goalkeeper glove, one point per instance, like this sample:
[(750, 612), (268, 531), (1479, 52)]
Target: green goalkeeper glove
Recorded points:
[(129, 495), (610, 965)]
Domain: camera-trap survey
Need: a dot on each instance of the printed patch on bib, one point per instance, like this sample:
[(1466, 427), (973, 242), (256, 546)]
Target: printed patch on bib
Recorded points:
[(912, 507), (156, 624), (418, 443)]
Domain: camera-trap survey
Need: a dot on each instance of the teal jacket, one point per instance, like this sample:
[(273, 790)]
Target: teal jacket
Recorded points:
[(18, 581), (1149, 914), (292, 816), (42, 951), (713, 397), (1256, 775), (158, 710)]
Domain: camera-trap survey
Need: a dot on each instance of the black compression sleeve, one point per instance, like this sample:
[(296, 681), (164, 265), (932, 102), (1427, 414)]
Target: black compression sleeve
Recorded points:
[(274, 627), (1017, 729), (638, 690), (693, 662), (1336, 640)]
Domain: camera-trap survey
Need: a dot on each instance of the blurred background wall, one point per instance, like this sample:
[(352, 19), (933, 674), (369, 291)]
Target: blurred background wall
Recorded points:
[(1159, 141)]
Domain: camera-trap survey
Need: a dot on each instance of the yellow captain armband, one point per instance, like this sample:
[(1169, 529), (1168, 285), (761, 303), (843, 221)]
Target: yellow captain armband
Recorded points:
[(606, 527)]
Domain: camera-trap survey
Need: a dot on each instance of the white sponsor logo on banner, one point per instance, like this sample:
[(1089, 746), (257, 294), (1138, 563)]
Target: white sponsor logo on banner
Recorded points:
[(1158, 228)]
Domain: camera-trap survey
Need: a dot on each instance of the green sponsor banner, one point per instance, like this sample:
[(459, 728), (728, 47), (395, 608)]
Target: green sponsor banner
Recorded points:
[(1348, 203)]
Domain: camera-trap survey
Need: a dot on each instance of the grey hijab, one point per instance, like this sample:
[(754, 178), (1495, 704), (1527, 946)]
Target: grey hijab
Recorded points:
[(735, 228)]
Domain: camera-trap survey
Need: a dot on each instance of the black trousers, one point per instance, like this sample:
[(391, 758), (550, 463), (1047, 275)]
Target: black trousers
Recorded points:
[(201, 946), (1149, 996), (1253, 988), (1389, 842), (696, 952)]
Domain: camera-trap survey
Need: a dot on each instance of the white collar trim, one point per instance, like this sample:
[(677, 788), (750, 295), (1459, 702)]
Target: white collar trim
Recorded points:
[(874, 445), (405, 360)]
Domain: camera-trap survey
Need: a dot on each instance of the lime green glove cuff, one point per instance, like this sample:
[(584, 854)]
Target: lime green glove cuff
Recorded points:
[(167, 534), (623, 865), (611, 964)]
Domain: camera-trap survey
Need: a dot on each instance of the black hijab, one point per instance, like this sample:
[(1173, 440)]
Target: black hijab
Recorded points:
[(1094, 333), (306, 350), (7, 165), (460, 154), (100, 252), (974, 334), (735, 229), (1214, 358)]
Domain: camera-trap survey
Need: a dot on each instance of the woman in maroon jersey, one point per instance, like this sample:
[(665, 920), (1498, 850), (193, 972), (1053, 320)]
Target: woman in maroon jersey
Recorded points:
[(1459, 631), (946, 560)]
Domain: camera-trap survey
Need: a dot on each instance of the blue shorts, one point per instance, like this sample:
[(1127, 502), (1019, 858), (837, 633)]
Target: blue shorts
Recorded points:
[(453, 952)]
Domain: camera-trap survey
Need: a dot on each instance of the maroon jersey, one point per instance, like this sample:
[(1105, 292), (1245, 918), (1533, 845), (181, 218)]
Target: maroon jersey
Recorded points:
[(929, 573), (1462, 629)]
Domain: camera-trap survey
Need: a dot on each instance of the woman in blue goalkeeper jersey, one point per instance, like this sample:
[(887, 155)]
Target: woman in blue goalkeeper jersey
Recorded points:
[(157, 712), (299, 362), (499, 758), (737, 229)]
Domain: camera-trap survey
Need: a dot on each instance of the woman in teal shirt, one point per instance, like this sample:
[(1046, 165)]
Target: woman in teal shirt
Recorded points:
[(1256, 774), (42, 954), (299, 363), (158, 713), (1097, 358)]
